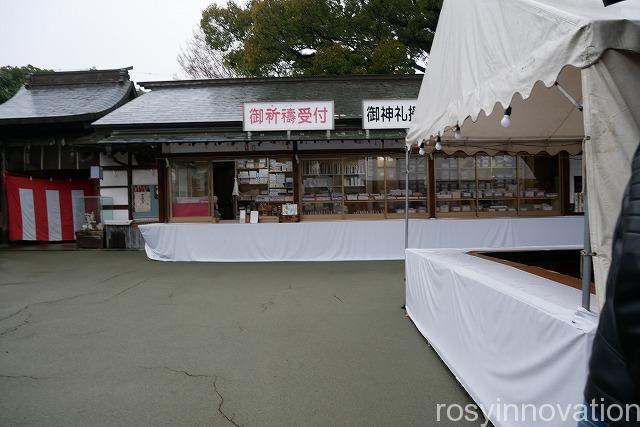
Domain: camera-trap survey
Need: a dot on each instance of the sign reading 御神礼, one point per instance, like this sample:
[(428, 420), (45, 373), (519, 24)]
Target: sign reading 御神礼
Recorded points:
[(388, 113), (298, 115)]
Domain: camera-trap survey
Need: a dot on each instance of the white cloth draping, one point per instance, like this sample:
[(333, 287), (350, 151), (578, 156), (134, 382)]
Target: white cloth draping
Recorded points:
[(612, 124), (349, 240), (508, 336)]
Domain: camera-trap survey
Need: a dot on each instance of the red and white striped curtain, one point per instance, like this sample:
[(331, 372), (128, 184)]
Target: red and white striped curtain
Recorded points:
[(43, 210)]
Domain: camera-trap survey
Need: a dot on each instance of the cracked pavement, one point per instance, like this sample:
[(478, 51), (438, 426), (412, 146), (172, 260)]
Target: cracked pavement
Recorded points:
[(107, 338)]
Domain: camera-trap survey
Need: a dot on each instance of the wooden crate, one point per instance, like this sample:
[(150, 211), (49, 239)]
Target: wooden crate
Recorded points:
[(89, 239), (289, 218)]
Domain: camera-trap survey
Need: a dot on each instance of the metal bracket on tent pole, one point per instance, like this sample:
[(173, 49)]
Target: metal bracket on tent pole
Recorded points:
[(571, 99)]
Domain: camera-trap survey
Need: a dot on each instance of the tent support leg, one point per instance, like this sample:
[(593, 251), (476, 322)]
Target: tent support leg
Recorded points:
[(406, 215), (406, 200), (586, 258)]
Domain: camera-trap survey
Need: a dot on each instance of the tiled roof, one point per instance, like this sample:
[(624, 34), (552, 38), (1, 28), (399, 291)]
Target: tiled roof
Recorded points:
[(67, 97), (216, 101), (197, 136)]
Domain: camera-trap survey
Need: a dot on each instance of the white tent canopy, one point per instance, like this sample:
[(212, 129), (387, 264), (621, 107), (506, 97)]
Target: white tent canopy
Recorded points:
[(546, 121), (512, 52)]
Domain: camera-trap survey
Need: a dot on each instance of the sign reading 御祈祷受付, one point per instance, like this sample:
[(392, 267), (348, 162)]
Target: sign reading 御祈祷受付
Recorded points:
[(298, 115), (388, 113)]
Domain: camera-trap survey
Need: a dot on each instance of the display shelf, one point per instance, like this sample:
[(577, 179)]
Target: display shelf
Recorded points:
[(323, 214), (416, 215), (540, 213), (497, 175), (395, 189), (179, 219), (505, 185), (455, 186), (317, 217), (456, 214), (538, 185), (269, 218), (364, 216), (315, 209), (416, 209), (367, 184), (459, 199), (495, 214), (264, 185), (539, 198)]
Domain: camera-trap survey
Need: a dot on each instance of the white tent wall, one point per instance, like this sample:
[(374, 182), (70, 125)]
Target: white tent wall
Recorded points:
[(499, 51), (611, 89)]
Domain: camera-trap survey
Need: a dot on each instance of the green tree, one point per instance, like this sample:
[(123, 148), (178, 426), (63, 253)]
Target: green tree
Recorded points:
[(292, 37), (11, 78)]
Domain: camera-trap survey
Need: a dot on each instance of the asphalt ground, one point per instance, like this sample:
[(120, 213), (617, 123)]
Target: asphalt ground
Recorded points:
[(107, 338)]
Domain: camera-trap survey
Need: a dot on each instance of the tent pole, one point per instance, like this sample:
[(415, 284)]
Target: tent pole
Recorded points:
[(406, 216), (586, 256), (406, 200)]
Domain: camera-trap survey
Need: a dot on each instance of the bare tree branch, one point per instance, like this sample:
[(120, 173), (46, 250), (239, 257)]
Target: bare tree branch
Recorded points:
[(199, 61)]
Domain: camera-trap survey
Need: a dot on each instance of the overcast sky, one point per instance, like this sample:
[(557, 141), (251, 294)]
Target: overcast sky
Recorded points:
[(80, 34)]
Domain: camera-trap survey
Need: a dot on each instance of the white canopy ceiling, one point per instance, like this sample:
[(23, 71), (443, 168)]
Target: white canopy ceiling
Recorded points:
[(485, 51), (546, 121)]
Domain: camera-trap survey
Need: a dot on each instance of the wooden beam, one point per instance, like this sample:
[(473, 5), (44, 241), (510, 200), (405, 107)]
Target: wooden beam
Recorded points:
[(130, 183)]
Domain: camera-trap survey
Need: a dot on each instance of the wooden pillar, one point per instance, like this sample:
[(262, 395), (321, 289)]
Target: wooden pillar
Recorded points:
[(297, 179), (564, 184), (431, 193), (162, 190), (4, 206)]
